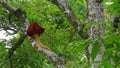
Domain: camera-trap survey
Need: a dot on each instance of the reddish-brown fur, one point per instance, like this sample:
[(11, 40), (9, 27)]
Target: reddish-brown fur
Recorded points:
[(35, 28)]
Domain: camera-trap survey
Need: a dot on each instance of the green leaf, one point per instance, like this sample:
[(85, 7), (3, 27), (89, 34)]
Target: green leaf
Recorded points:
[(95, 50), (87, 26), (105, 64)]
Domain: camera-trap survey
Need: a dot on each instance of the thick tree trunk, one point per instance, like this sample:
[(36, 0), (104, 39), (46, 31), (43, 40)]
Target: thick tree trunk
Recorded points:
[(96, 15)]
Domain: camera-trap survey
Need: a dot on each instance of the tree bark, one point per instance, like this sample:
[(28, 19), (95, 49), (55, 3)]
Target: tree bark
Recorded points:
[(96, 15)]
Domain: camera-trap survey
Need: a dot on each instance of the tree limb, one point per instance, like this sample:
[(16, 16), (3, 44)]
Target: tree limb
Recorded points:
[(58, 62), (14, 47), (65, 7)]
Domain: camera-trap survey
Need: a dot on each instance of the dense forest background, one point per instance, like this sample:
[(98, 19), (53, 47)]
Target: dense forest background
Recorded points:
[(60, 35)]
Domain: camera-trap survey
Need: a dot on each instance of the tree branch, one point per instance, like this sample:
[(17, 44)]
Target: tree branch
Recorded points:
[(15, 46), (7, 6), (65, 7), (58, 62)]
